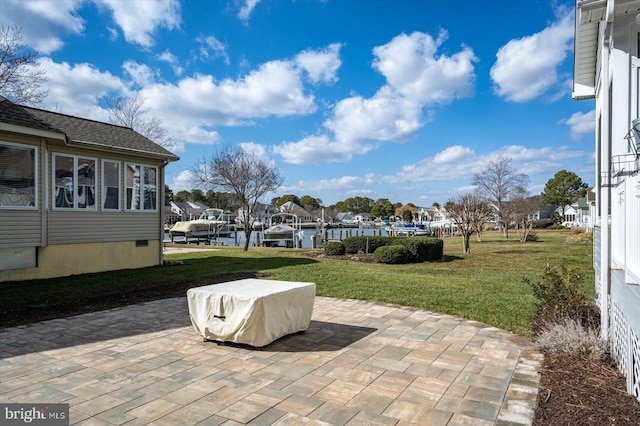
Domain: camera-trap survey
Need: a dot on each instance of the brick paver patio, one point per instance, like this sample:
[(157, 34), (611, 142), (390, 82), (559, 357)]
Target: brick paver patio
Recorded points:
[(358, 363)]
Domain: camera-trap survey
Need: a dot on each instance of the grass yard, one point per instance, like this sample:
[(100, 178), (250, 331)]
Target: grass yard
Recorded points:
[(485, 286)]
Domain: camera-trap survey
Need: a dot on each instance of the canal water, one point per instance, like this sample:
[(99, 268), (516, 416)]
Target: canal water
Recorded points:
[(237, 239)]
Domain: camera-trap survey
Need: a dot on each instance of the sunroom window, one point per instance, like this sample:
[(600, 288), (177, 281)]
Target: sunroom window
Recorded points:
[(74, 182), (110, 185), (141, 187), (18, 176)]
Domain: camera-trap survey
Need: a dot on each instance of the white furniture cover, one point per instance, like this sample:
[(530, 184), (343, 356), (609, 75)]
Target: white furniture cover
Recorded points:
[(251, 311)]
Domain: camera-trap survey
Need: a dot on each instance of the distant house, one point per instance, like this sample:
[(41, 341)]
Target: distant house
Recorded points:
[(259, 217), (291, 207), (362, 217), (76, 195), (346, 218), (188, 210)]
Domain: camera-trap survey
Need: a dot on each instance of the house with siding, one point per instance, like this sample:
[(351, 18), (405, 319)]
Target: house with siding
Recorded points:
[(607, 69), (76, 195)]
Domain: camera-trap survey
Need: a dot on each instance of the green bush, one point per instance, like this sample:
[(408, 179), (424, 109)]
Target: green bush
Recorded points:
[(559, 293), (421, 249), (533, 237), (393, 254), (542, 223), (334, 248), (364, 244)]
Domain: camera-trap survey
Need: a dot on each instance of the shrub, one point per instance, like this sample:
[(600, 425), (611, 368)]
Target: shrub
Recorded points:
[(559, 293), (364, 244), (542, 223), (533, 237), (334, 248), (571, 337), (578, 230), (393, 254), (420, 249)]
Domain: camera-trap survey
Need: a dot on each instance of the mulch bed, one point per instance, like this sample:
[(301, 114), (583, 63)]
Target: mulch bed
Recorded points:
[(574, 390)]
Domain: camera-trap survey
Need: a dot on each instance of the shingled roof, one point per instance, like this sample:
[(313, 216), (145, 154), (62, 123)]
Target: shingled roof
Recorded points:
[(81, 131)]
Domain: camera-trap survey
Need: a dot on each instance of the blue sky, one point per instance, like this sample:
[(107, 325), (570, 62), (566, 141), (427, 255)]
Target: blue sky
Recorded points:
[(403, 100)]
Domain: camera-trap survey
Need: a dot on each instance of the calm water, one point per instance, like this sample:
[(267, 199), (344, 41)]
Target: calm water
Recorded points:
[(332, 234)]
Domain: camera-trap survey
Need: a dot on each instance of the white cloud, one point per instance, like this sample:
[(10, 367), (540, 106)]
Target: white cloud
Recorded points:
[(413, 68), (184, 181), (312, 149), (321, 65), (76, 89), (247, 8), (526, 68), (139, 20), (453, 154), (417, 77), (581, 124), (139, 74), (274, 89), (211, 47), (42, 21), (173, 62)]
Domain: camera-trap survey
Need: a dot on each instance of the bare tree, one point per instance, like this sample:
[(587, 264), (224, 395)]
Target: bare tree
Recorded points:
[(523, 211), (20, 77), (498, 182), (132, 111), (246, 176), (469, 212)]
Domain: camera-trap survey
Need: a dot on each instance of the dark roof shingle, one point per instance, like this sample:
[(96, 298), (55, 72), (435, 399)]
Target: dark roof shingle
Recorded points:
[(81, 130)]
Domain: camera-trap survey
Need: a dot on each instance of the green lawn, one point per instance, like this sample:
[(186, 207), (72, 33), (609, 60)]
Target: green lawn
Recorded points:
[(485, 286)]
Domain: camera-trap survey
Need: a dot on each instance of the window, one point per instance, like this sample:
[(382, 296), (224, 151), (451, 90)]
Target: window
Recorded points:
[(18, 176), (110, 185), (74, 182), (142, 187)]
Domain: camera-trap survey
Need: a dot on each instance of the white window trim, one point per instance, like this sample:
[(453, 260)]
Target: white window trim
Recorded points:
[(36, 187), (103, 193), (75, 183), (127, 207)]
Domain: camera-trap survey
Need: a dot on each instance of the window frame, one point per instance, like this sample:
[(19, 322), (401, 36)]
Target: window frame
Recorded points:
[(36, 183), (142, 167), (104, 185), (75, 182)]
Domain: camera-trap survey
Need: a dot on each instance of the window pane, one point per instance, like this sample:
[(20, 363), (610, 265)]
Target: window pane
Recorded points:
[(64, 183), (17, 176), (133, 187), (111, 185), (86, 183), (150, 188)]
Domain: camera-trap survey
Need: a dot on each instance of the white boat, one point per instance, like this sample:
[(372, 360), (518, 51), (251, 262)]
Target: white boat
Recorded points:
[(285, 227), (209, 226), (409, 230)]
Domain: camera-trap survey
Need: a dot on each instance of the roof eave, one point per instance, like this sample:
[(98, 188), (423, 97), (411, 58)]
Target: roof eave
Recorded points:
[(13, 128)]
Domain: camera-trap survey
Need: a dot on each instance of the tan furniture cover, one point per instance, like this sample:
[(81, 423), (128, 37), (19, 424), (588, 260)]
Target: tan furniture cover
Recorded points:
[(251, 311)]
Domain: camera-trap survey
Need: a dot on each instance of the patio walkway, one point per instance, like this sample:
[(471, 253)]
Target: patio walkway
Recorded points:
[(358, 363)]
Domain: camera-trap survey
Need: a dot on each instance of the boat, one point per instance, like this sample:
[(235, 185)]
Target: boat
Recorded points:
[(208, 226), (283, 227), (409, 230)]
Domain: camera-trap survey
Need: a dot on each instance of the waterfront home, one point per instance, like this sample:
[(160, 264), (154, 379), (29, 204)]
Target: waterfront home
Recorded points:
[(76, 195), (607, 69)]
